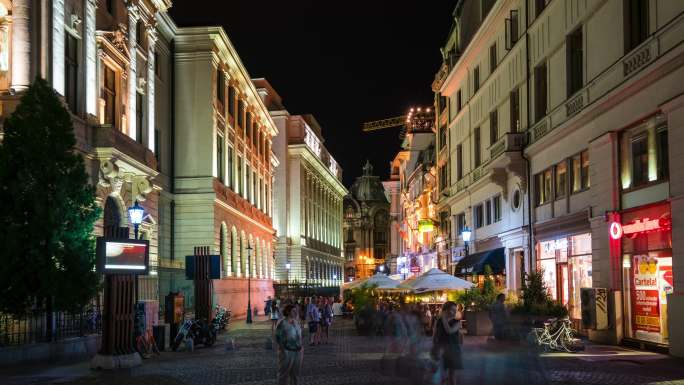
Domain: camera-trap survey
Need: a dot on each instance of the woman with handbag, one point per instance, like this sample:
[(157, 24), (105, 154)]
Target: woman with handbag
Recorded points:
[(446, 342)]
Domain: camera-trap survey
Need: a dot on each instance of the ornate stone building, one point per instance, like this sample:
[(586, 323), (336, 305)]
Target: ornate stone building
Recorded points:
[(107, 62), (366, 226), (308, 193)]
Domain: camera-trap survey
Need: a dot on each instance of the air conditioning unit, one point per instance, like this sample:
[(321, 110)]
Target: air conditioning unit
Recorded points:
[(594, 304)]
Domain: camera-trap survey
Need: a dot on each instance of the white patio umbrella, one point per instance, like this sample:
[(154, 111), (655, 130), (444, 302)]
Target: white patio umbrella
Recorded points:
[(437, 280), (381, 282)]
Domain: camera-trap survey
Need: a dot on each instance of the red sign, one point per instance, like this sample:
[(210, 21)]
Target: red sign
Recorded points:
[(667, 276), (639, 226), (645, 296), (415, 269)]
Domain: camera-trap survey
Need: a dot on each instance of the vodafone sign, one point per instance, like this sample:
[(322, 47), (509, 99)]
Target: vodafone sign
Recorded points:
[(639, 226)]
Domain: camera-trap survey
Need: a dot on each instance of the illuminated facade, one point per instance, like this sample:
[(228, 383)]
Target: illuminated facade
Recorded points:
[(567, 114), (108, 63), (366, 226), (307, 195)]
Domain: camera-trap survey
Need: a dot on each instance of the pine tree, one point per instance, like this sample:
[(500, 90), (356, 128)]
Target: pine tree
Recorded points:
[(47, 209)]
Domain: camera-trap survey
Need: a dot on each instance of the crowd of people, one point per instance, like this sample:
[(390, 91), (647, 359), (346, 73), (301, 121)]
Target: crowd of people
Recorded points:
[(406, 328), (289, 317)]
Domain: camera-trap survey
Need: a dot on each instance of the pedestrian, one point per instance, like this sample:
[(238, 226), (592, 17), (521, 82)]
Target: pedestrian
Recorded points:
[(290, 353), (326, 319), (499, 317), (446, 348), (313, 317), (267, 306), (275, 314)]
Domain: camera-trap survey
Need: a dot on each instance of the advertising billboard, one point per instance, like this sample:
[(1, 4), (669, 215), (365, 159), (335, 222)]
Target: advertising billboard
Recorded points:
[(123, 256)]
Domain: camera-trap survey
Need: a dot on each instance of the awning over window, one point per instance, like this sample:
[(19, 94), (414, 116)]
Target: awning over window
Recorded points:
[(475, 263)]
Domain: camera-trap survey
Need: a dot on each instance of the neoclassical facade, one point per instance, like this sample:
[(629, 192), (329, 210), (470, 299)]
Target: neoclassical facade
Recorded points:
[(308, 193), (108, 63), (366, 226), (558, 125)]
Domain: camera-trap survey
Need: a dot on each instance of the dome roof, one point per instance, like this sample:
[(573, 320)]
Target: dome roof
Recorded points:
[(368, 187)]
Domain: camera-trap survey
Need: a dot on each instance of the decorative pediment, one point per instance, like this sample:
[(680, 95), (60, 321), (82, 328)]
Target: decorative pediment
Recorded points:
[(118, 39)]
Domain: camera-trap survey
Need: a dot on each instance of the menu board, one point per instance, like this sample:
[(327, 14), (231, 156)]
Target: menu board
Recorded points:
[(645, 296)]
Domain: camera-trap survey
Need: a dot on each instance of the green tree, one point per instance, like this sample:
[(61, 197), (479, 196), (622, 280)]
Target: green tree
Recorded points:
[(47, 209)]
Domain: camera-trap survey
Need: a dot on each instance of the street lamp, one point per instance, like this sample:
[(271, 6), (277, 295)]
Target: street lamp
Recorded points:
[(249, 286), (136, 213), (466, 234)]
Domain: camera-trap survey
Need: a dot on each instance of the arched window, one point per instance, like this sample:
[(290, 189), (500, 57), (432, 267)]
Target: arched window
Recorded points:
[(233, 252), (244, 265), (223, 249)]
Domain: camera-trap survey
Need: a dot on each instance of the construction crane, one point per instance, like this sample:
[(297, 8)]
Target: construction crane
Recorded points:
[(417, 119)]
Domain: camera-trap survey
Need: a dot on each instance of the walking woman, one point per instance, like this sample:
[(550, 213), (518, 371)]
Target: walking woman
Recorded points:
[(275, 315), (289, 339), (446, 343)]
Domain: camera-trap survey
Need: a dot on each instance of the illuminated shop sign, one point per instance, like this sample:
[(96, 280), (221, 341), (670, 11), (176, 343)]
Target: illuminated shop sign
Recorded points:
[(638, 227), (425, 226)]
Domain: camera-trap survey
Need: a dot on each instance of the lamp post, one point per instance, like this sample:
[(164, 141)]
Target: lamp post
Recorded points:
[(466, 234), (249, 286), (135, 213)]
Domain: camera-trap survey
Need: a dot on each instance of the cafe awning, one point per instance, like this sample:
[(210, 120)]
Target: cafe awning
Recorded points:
[(475, 263)]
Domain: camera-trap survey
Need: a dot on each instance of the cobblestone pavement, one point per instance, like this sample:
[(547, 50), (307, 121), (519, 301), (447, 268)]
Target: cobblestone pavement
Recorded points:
[(352, 359)]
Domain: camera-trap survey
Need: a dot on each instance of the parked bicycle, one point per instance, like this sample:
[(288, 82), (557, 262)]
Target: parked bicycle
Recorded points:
[(556, 335), (199, 331)]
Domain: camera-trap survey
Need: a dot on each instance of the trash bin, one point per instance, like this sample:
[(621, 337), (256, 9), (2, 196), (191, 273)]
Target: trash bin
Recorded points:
[(159, 334)]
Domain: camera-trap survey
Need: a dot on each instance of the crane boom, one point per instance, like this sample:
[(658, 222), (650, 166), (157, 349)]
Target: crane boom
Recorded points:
[(384, 123)]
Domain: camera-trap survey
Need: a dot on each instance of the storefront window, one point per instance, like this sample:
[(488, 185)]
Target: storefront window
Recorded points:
[(566, 263), (647, 274)]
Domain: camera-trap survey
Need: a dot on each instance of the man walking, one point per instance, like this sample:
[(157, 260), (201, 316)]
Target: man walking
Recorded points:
[(288, 336)]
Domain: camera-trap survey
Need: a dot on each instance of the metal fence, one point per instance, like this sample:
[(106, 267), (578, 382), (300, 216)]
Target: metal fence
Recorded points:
[(32, 327)]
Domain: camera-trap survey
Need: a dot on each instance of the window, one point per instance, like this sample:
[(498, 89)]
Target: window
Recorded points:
[(515, 110), (110, 96), (488, 212), (561, 173), (542, 187), (220, 90), (493, 127), (71, 72), (459, 101), (229, 175), (512, 29), (476, 146), (259, 195), (444, 177), (460, 223), (443, 102), (253, 194), (219, 158), (248, 126), (157, 147), (139, 116), (539, 6), (580, 171), (476, 79), (496, 202), (157, 65), (231, 101), (459, 162), (445, 224), (255, 136), (479, 216), (540, 91), (442, 136), (240, 176), (636, 23), (574, 61), (241, 115), (492, 58), (349, 253), (110, 6), (139, 28), (640, 160), (663, 153), (248, 186)]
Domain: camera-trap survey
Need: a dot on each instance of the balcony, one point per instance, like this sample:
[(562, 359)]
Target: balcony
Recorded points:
[(106, 136), (510, 142)]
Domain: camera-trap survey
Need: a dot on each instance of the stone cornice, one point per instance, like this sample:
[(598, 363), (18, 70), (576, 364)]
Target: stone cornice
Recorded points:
[(303, 151)]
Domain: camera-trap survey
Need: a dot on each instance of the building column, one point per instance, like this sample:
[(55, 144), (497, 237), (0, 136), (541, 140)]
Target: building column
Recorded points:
[(605, 197), (133, 15), (675, 301), (21, 45), (58, 41), (91, 74), (151, 132)]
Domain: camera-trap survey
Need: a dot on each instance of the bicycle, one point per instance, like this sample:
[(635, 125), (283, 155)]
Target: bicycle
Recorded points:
[(556, 335), (146, 345)]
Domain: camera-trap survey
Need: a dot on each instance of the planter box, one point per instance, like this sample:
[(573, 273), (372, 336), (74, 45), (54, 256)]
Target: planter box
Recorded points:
[(478, 323)]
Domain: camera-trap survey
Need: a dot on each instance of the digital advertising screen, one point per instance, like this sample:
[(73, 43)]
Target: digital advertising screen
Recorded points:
[(122, 256)]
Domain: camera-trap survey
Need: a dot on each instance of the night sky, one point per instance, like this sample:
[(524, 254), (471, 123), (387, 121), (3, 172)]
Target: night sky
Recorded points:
[(344, 62)]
